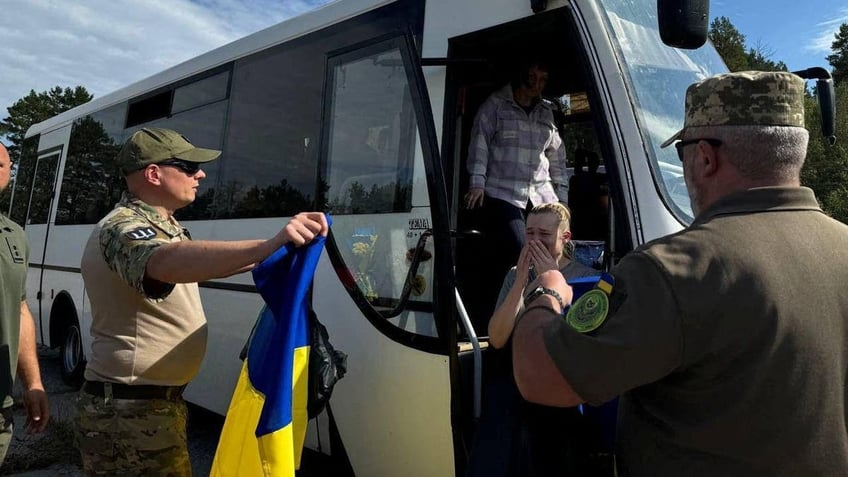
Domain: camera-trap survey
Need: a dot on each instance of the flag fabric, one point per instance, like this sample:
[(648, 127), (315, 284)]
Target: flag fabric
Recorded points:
[(265, 425)]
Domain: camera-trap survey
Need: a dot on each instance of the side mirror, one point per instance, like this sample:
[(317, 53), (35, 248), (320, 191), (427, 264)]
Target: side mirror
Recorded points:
[(683, 23), (827, 100), (827, 106)]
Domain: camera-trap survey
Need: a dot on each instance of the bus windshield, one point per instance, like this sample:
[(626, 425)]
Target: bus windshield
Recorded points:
[(659, 76)]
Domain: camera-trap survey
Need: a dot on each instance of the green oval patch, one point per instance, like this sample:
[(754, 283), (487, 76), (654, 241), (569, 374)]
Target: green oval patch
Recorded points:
[(588, 312)]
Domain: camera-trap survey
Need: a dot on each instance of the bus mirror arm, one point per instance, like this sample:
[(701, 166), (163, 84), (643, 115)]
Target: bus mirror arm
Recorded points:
[(827, 99), (419, 255)]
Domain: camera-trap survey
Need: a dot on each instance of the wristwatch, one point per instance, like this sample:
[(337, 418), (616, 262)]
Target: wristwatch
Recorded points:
[(539, 291)]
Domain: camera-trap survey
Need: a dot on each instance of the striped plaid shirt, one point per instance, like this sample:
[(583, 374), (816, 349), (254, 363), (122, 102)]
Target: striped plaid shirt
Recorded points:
[(514, 156)]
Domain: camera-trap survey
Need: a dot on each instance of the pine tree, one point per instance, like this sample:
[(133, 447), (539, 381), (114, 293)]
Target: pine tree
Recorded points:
[(730, 43), (32, 109), (839, 58)]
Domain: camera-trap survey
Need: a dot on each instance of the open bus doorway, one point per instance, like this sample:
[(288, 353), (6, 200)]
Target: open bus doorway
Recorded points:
[(492, 57), (483, 62)]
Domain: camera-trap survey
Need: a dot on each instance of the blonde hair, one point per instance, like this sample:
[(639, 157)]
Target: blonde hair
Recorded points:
[(558, 209)]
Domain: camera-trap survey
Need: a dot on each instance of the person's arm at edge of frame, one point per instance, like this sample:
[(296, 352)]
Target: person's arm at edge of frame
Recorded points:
[(502, 321), (191, 261), (35, 398), (537, 376)]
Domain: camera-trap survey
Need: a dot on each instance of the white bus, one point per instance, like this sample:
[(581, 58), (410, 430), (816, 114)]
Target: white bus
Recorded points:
[(363, 108)]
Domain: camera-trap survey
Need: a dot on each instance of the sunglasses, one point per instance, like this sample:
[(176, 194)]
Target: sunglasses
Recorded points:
[(190, 168), (681, 144)]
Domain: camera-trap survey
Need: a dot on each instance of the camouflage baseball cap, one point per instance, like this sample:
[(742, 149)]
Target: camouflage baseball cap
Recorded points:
[(747, 98), (153, 145)]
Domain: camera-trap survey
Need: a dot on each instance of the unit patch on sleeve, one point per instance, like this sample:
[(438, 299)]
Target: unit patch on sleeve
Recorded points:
[(591, 309), (141, 233)]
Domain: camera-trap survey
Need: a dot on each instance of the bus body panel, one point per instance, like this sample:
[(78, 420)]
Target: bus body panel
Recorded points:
[(380, 436), (403, 407)]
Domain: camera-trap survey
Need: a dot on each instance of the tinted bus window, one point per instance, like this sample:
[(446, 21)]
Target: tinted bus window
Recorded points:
[(204, 127), (272, 143), (199, 93), (25, 172), (373, 137), (92, 183), (42, 189)]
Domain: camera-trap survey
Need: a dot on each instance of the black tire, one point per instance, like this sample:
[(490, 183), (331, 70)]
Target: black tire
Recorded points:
[(73, 360)]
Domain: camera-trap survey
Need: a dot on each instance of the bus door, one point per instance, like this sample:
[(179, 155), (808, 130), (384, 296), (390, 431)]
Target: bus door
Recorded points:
[(41, 198), (386, 293)]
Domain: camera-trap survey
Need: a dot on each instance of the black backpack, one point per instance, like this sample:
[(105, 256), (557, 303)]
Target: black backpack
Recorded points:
[(326, 366)]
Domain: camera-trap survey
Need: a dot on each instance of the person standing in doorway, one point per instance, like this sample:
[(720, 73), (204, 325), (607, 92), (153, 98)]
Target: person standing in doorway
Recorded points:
[(516, 160)]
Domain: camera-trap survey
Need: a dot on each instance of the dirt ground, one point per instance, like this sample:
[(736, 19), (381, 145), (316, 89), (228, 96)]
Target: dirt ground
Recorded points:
[(52, 453)]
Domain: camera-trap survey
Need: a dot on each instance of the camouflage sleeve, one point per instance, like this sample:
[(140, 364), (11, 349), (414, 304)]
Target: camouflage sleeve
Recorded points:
[(127, 244)]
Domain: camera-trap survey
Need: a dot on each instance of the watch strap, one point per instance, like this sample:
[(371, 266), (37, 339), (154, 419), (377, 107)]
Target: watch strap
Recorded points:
[(539, 291)]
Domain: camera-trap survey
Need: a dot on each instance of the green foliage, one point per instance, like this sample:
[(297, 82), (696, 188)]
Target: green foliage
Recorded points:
[(826, 168), (732, 48), (839, 58), (759, 59), (730, 43), (31, 109), (36, 107)]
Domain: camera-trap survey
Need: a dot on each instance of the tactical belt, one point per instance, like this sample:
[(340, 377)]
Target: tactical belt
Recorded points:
[(126, 391)]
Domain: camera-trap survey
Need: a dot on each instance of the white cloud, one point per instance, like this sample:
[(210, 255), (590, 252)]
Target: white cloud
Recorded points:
[(823, 41), (104, 45)]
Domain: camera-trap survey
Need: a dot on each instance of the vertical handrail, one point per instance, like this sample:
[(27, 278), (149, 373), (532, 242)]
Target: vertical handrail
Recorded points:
[(478, 355)]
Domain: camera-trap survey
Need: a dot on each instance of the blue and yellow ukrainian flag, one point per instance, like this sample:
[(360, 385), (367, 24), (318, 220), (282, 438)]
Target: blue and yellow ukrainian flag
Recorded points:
[(265, 426)]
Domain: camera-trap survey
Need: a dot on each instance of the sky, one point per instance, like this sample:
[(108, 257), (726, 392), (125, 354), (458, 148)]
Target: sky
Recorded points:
[(105, 45), (798, 32)]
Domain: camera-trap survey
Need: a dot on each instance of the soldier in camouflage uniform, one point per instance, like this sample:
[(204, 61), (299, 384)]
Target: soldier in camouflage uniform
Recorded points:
[(17, 329), (727, 341), (149, 331)]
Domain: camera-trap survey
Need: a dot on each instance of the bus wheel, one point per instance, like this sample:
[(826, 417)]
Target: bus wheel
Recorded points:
[(73, 363)]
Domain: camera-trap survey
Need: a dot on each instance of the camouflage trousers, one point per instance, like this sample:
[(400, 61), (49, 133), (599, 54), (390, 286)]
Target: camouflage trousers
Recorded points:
[(6, 421), (131, 437)]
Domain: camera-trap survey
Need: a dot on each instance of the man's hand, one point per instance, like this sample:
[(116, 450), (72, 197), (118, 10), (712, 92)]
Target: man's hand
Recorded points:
[(37, 409), (474, 197), (304, 227)]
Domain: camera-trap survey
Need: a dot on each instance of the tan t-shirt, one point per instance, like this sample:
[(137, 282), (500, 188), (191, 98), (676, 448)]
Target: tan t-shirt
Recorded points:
[(139, 336)]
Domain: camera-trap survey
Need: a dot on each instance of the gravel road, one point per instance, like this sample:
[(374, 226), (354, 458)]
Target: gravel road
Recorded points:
[(52, 453)]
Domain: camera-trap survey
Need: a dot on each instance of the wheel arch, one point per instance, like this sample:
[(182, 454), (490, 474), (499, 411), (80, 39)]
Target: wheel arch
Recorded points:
[(62, 314)]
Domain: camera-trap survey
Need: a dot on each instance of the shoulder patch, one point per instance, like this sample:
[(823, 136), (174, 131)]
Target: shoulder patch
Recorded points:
[(141, 233), (589, 311)]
